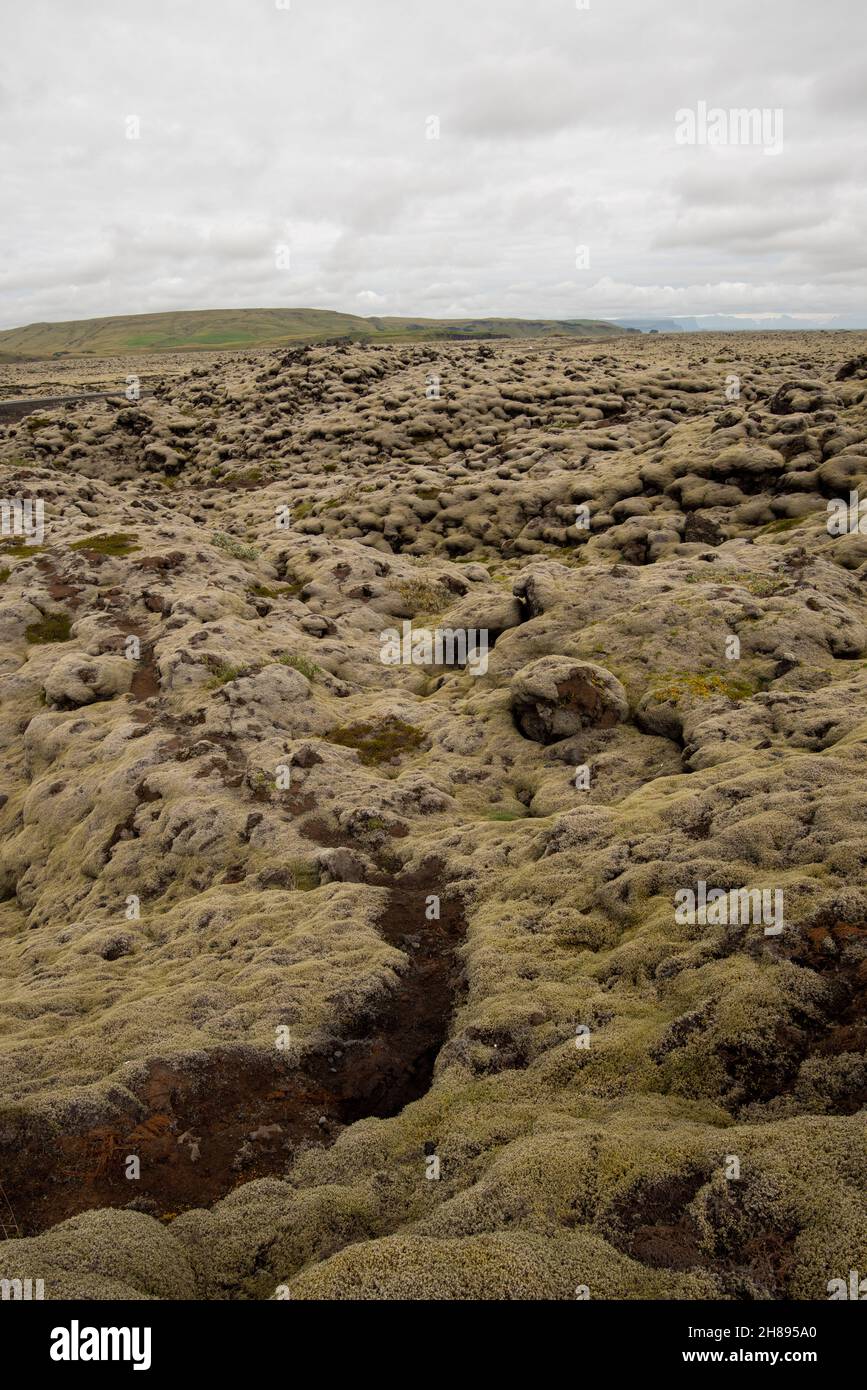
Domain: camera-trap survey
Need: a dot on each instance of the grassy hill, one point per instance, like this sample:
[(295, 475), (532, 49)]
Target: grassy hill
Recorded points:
[(193, 329)]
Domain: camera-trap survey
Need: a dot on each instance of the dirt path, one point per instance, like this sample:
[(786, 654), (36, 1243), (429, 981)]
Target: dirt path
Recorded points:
[(17, 409)]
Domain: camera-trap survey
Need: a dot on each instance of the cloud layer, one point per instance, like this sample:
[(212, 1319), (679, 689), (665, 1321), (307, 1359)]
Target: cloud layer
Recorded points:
[(284, 158)]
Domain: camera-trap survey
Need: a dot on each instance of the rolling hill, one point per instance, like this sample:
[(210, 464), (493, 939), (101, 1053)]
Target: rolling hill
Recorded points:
[(202, 329)]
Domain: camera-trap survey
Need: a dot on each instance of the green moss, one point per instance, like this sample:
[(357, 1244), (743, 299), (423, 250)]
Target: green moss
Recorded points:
[(293, 585), (761, 585), (378, 743), (505, 815), (118, 544), (703, 687), (4, 574), (764, 586), (17, 550), (54, 627), (305, 876), (785, 523)]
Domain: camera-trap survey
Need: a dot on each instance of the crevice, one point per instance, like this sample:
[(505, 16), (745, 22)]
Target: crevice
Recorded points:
[(239, 1114)]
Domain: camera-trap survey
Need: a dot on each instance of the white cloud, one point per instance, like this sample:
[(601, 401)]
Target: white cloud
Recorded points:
[(307, 127)]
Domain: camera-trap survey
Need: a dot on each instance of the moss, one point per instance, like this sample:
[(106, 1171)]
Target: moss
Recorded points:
[(503, 1266), (703, 687), (505, 815), (17, 550), (785, 523), (760, 585), (305, 875), (118, 544), (4, 574), (293, 584), (378, 743), (765, 586), (54, 627), (260, 591)]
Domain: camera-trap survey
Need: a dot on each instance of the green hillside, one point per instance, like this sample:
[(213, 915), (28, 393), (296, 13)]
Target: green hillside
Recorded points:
[(204, 329)]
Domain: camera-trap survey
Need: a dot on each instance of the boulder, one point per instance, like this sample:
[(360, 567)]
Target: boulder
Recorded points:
[(557, 696)]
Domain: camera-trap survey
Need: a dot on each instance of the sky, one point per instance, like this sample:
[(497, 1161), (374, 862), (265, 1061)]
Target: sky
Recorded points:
[(432, 157)]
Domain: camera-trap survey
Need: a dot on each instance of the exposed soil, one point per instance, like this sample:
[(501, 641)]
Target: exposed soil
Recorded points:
[(657, 1228), (243, 1116)]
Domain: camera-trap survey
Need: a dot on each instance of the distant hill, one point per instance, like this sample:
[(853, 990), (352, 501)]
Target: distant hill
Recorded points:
[(654, 325), (200, 329), (728, 323)]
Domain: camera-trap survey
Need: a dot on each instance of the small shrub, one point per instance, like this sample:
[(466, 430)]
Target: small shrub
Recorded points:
[(225, 673), (237, 549), (301, 664), (425, 595)]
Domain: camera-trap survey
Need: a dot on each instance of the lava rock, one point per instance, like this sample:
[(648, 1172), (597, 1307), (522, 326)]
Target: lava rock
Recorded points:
[(556, 697)]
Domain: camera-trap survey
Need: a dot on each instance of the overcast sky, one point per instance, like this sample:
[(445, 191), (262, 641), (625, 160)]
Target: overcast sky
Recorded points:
[(307, 128)]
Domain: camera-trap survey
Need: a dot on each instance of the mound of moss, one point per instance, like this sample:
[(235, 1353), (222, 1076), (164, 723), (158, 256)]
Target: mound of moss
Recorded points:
[(378, 743), (118, 544), (54, 627)]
